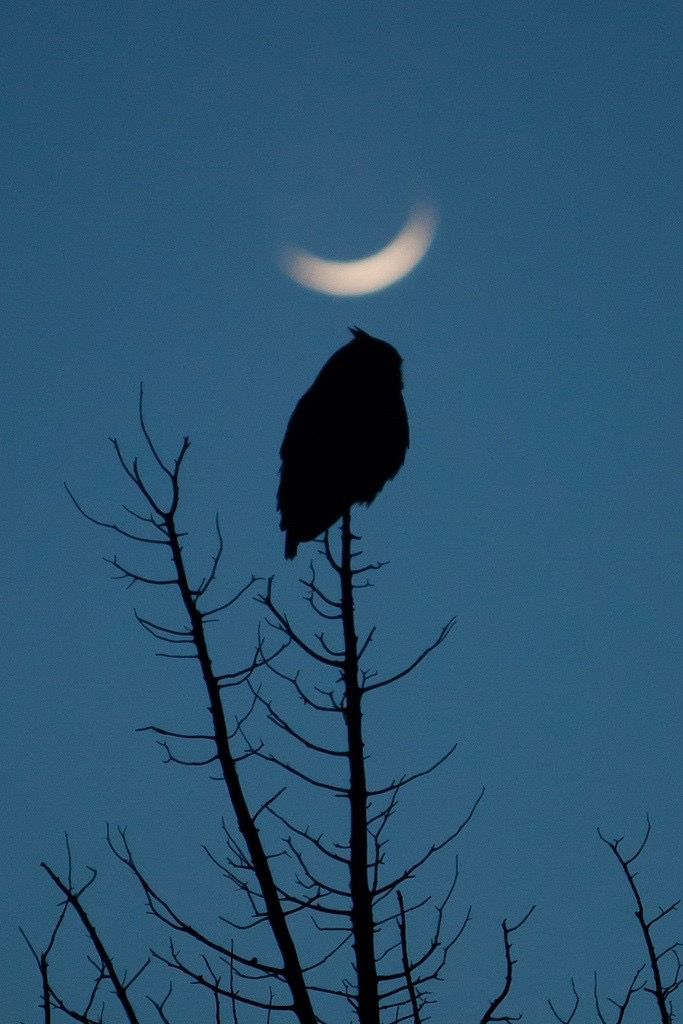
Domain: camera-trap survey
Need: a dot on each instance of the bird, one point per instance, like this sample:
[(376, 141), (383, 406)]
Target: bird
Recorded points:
[(348, 436)]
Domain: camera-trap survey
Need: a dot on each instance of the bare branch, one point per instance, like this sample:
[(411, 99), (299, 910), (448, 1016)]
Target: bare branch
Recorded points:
[(660, 990), (622, 1006), (112, 526), (405, 960), (433, 849), (405, 780), (416, 661), (72, 897), (572, 1013), (285, 626), (497, 1001)]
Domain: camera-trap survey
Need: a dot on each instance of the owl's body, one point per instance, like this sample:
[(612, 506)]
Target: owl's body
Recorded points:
[(347, 437)]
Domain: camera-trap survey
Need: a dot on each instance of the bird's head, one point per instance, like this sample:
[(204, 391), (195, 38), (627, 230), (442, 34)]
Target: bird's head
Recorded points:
[(379, 359)]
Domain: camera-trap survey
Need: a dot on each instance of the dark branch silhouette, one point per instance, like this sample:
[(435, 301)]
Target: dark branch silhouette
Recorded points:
[(664, 964), (492, 1013), (660, 989), (291, 876)]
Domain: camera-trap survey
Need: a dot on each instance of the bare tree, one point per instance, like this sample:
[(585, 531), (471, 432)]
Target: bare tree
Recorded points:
[(295, 881), (647, 980), (659, 963)]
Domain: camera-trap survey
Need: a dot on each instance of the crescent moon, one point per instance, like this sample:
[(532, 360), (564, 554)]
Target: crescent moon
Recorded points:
[(371, 273)]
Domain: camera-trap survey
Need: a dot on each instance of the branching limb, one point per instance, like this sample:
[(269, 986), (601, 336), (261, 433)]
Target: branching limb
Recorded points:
[(283, 624), (405, 961), (211, 981), (491, 1014), (106, 970), (434, 849), (405, 780), (572, 1012), (112, 526), (621, 1007), (160, 1007), (369, 687), (661, 990)]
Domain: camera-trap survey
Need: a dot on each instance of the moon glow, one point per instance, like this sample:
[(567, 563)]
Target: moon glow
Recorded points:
[(371, 273)]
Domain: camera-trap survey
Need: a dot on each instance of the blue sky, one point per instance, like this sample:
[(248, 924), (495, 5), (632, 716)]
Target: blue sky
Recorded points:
[(156, 159)]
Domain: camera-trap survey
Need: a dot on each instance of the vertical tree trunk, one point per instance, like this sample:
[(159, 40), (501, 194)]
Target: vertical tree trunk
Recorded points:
[(362, 909)]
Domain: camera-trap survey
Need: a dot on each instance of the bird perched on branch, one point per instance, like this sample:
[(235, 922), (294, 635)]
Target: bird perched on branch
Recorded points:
[(347, 437)]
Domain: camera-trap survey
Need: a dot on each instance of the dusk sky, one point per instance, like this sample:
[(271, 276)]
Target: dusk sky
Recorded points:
[(157, 159)]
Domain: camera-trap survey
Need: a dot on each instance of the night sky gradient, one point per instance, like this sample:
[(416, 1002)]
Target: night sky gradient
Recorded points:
[(156, 159)]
